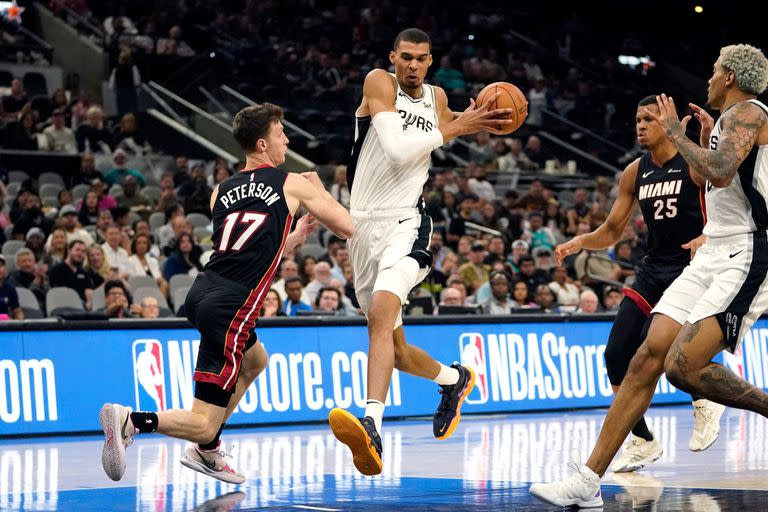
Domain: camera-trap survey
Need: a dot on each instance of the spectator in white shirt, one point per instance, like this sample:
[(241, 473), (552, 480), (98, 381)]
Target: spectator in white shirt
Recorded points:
[(322, 279), (480, 186), (116, 255), (60, 138), (566, 293), (68, 222), (142, 263)]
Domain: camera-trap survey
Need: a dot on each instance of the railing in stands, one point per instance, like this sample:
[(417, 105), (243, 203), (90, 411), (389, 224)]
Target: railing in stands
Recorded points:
[(583, 154), (585, 131)]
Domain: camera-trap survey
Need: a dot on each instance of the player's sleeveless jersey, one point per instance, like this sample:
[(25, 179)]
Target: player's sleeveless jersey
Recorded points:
[(672, 207), (251, 221), (741, 206), (376, 184)]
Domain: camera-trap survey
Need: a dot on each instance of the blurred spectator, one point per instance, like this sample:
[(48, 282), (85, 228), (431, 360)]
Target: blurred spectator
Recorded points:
[(593, 267), (530, 275), (149, 308), (80, 108), (538, 234), (307, 269), (117, 257), (520, 296), (60, 138), (9, 299), (68, 221), (438, 250), (87, 172), (481, 150), (120, 170), (23, 135), (500, 302), (116, 301), (89, 210), (612, 298), (124, 81), (534, 199), (479, 185), (184, 259), (542, 259), (180, 171), (70, 273), (64, 197), (141, 228), (56, 246), (105, 220), (450, 297), (545, 299), (328, 80), (97, 267), (141, 263), (60, 102), (16, 102), (328, 300), (198, 198), (496, 250), (537, 153), (288, 269), (92, 135), (175, 225), (36, 243), (31, 216), (474, 273), (346, 308), (517, 154), (221, 171), (579, 212), (566, 293), (293, 302), (339, 190), (174, 45), (129, 137), (167, 193), (519, 251), (272, 305), (448, 77), (322, 279), (588, 302), (30, 275), (131, 197), (537, 102), (349, 287)]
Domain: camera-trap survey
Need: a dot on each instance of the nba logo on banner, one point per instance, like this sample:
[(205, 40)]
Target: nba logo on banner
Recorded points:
[(472, 349), (149, 375)]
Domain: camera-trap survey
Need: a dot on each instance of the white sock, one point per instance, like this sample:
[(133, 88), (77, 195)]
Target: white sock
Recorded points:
[(375, 410), (447, 376)]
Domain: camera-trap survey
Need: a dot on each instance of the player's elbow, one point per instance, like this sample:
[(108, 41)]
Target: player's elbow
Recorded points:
[(346, 231)]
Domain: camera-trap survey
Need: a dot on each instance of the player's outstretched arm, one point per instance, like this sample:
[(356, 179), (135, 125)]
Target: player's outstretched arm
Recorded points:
[(308, 191), (611, 230), (740, 126)]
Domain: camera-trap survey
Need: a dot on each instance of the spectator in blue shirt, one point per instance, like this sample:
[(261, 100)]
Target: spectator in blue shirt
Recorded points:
[(293, 302), (9, 299)]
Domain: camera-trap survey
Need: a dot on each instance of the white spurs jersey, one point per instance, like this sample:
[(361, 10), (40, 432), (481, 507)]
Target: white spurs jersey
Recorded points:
[(741, 206), (375, 183)]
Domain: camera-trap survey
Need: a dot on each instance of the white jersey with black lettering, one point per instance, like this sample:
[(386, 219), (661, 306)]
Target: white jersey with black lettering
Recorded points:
[(741, 206), (375, 184)]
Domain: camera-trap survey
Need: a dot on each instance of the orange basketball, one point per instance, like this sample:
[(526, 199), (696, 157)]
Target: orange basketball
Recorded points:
[(511, 97)]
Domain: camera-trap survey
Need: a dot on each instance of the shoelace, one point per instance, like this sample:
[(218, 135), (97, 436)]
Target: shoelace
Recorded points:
[(702, 413)]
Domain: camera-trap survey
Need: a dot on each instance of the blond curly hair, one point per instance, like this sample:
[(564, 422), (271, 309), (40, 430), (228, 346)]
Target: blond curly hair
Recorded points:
[(748, 64)]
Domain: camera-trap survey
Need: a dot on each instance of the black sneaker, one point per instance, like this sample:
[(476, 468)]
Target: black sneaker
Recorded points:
[(361, 437), (449, 411)]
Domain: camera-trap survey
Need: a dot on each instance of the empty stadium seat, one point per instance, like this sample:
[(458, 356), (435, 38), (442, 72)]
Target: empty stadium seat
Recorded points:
[(61, 299), (198, 220)]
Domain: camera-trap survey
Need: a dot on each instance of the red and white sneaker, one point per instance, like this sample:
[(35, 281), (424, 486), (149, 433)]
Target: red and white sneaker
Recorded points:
[(212, 463), (118, 430)]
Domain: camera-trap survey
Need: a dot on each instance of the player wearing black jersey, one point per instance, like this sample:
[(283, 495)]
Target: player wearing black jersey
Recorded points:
[(670, 197), (252, 215)]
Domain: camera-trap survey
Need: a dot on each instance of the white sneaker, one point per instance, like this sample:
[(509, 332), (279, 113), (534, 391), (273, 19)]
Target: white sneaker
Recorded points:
[(637, 453), (212, 463), (581, 490), (706, 426), (118, 435)]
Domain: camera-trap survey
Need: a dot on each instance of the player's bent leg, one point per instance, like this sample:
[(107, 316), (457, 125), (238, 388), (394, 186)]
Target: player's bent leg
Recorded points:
[(254, 362), (632, 400)]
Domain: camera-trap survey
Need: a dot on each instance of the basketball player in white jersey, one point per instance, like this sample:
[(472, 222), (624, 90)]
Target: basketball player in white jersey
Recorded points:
[(399, 122), (725, 288)]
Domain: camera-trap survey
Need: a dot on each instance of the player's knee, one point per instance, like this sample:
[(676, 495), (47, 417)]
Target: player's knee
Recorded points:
[(256, 363), (677, 374), (644, 366)]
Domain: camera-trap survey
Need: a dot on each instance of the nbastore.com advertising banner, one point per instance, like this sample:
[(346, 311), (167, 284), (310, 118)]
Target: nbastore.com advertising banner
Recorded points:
[(56, 381)]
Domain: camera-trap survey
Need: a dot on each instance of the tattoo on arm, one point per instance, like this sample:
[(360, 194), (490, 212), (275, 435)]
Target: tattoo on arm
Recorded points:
[(739, 129)]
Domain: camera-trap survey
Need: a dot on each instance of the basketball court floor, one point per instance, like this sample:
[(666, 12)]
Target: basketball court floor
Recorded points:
[(486, 465)]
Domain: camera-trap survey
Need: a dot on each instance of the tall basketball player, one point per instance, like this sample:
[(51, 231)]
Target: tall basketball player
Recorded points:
[(399, 122), (252, 214), (724, 289)]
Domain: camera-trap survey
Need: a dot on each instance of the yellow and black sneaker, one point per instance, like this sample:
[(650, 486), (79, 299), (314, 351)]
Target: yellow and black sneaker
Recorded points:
[(449, 411), (361, 437)]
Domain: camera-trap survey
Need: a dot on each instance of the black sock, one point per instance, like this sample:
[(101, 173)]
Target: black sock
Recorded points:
[(641, 430), (144, 421), (213, 444)]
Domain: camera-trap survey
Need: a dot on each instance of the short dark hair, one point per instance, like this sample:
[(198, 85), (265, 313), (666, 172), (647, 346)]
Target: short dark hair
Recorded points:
[(525, 259), (114, 284), (289, 280), (648, 100), (328, 289), (413, 35), (74, 242), (253, 123)]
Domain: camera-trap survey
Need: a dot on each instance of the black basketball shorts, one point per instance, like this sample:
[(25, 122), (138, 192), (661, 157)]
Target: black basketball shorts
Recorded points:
[(225, 313), (651, 281)]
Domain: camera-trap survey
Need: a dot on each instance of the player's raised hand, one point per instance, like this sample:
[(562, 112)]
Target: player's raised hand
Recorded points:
[(667, 114), (572, 246), (694, 244), (304, 226), (707, 123)]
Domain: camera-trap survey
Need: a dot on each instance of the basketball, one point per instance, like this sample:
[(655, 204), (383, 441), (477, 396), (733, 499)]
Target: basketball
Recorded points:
[(511, 97)]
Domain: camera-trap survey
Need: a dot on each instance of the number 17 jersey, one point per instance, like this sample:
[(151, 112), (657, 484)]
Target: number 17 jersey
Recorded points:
[(251, 222)]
